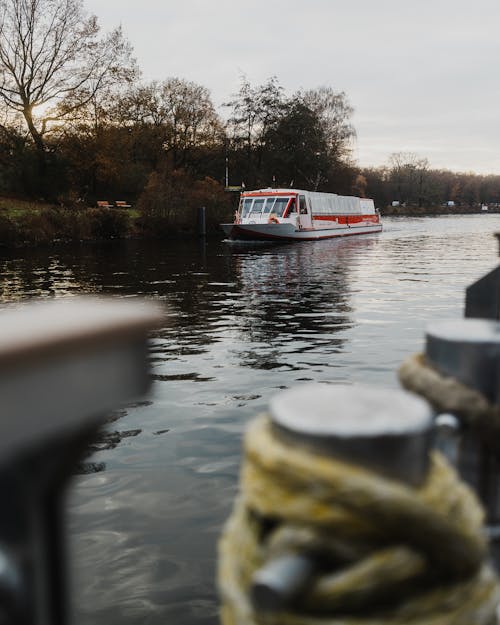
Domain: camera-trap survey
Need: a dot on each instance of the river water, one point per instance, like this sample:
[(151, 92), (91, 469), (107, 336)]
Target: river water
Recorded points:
[(242, 322)]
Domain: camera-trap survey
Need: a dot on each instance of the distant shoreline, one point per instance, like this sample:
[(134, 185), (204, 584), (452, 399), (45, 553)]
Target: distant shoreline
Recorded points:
[(413, 211)]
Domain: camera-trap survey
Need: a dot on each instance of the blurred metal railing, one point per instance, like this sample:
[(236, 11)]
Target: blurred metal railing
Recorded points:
[(64, 365)]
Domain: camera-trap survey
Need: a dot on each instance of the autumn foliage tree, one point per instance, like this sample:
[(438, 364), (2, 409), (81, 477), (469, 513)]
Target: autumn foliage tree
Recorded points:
[(302, 138), (180, 114), (172, 197), (296, 148), (334, 113), (53, 61)]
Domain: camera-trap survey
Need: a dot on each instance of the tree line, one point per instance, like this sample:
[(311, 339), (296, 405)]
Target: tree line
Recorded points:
[(77, 125), (409, 180)]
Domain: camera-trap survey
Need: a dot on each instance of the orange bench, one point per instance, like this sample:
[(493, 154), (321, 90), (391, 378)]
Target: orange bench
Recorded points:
[(104, 204), (121, 204)]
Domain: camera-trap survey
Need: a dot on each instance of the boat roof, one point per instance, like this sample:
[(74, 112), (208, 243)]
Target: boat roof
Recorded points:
[(274, 191)]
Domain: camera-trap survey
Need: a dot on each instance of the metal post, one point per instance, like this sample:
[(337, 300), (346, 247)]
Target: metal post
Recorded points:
[(226, 161), (63, 366), (202, 228), (482, 298), (469, 351), (388, 431)]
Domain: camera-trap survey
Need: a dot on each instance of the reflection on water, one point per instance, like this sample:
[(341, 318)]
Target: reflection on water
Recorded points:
[(243, 320), (106, 439), (294, 297)]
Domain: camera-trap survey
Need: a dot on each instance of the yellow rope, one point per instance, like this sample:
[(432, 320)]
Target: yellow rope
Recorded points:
[(446, 394), (396, 554)]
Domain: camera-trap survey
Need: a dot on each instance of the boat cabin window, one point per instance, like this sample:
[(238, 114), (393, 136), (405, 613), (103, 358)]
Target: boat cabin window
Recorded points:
[(280, 205), (245, 206), (257, 206), (292, 209), (263, 205), (268, 206), (302, 204)]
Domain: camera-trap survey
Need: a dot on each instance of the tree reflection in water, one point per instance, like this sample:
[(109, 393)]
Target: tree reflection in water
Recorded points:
[(107, 439), (296, 299)]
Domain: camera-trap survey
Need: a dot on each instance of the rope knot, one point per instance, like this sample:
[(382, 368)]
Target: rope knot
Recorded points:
[(374, 550)]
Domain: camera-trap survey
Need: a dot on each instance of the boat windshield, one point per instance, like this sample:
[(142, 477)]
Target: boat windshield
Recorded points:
[(268, 206), (263, 206), (246, 205), (280, 205), (257, 206)]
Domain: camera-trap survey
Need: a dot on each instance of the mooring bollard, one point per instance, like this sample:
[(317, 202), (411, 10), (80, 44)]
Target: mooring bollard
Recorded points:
[(367, 427), (467, 350), (367, 430), (459, 373), (482, 299), (64, 365), (345, 512)]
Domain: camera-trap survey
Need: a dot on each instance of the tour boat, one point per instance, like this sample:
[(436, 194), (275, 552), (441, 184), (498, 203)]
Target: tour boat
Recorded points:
[(295, 215)]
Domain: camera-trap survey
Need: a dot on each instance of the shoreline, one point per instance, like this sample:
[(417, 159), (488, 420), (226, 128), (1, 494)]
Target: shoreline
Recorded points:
[(441, 211), (52, 225)]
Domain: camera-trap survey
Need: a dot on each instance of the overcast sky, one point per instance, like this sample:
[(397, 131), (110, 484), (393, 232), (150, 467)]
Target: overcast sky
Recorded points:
[(422, 75)]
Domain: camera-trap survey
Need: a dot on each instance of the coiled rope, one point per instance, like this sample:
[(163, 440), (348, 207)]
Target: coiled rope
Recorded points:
[(446, 394), (388, 553)]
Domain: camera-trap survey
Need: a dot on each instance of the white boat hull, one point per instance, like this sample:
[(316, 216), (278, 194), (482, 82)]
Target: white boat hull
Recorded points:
[(288, 232)]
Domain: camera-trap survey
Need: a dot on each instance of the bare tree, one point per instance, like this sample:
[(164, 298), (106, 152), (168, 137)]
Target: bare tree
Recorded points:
[(255, 110), (191, 117), (51, 53), (408, 175), (180, 111), (334, 111)]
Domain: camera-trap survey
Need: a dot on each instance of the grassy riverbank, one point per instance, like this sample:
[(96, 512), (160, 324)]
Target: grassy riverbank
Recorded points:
[(25, 222)]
